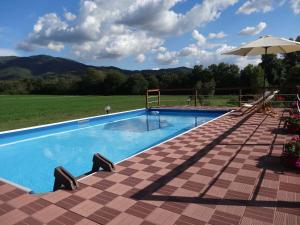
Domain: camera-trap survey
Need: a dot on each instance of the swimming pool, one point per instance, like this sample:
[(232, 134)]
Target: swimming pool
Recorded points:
[(28, 157)]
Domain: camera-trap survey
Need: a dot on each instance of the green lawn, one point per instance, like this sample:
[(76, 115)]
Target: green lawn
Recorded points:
[(24, 110)]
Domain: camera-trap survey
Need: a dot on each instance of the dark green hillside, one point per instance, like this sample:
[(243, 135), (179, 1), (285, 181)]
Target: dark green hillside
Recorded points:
[(43, 65)]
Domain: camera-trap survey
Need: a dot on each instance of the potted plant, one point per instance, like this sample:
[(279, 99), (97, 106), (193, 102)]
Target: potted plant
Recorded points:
[(291, 153), (292, 123)]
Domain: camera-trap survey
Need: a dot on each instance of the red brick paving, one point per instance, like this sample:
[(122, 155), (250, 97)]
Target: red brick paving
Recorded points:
[(225, 172)]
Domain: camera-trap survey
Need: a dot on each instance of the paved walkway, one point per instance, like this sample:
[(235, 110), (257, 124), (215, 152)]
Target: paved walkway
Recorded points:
[(225, 172)]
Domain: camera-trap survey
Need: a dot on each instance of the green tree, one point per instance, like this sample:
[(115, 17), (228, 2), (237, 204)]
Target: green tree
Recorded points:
[(292, 79), (291, 59), (92, 82), (225, 75), (153, 82), (114, 82), (273, 68), (203, 80), (252, 77), (137, 84)]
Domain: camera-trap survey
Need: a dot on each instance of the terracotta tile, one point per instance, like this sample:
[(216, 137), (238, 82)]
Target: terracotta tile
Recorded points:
[(29, 221), (89, 180), (69, 202), (119, 189), (259, 213), (289, 187), (176, 207), (103, 184), (162, 216), (121, 204), (185, 193), (33, 207), (177, 182), (198, 212), (5, 208), (131, 181), (128, 171), (117, 178), (56, 196), (88, 192), (104, 215), (12, 217), (220, 218), (49, 213), (142, 175), (11, 194), (86, 222), (4, 188), (22, 200), (86, 208), (104, 197), (126, 219), (140, 209), (66, 218)]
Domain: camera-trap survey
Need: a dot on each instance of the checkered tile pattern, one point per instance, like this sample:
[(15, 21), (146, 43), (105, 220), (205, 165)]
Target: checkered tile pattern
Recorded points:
[(225, 172)]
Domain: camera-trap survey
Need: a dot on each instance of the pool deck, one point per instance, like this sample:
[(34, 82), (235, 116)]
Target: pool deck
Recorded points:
[(225, 172)]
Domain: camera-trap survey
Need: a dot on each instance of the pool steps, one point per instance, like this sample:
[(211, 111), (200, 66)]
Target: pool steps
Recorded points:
[(64, 179), (100, 161)]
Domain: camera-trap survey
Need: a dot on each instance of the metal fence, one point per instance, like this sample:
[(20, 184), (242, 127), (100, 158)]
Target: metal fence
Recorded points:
[(230, 97)]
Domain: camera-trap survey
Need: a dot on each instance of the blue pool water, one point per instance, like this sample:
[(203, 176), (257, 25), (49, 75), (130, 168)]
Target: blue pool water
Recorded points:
[(28, 157)]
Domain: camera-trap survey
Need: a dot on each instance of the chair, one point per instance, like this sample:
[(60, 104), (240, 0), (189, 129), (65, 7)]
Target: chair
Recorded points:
[(267, 108), (250, 106)]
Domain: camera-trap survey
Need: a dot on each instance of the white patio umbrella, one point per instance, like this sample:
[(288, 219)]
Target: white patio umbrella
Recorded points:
[(266, 45)]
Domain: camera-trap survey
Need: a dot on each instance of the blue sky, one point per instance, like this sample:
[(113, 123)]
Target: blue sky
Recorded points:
[(149, 34)]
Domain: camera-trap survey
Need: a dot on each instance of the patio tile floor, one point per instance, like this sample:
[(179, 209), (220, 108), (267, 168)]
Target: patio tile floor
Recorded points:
[(225, 172)]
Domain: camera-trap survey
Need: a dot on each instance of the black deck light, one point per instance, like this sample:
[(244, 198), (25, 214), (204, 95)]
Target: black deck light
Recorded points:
[(107, 109)]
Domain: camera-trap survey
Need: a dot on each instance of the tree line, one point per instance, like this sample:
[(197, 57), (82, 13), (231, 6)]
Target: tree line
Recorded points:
[(282, 72)]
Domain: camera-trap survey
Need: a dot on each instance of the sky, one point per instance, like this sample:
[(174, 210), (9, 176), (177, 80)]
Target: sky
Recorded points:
[(143, 34)]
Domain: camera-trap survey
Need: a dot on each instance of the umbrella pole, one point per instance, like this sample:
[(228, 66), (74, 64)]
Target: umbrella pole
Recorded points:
[(264, 88)]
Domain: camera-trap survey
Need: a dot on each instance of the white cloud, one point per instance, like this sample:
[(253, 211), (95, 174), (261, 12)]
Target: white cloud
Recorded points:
[(70, 16), (167, 58), (295, 5), (253, 30), (199, 37), (141, 58), (252, 6), (8, 52), (219, 35), (115, 29), (242, 62)]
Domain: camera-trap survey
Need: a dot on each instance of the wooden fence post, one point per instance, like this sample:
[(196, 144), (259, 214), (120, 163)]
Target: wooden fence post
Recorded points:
[(196, 96), (240, 97), (158, 98), (147, 99)]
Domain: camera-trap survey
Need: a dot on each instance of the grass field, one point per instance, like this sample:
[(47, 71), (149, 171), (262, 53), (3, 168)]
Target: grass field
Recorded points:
[(24, 111)]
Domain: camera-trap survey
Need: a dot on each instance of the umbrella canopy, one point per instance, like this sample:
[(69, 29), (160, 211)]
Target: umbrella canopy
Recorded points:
[(266, 45)]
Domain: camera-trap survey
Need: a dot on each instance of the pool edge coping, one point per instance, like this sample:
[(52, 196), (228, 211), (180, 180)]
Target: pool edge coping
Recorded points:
[(66, 121)]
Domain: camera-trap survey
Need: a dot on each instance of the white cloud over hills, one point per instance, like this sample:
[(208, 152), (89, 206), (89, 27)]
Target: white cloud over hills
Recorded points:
[(140, 29), (116, 29)]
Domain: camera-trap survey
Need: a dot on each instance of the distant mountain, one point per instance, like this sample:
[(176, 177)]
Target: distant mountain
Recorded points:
[(12, 67)]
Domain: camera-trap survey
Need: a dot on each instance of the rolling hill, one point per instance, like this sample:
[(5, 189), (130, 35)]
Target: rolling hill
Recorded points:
[(12, 67)]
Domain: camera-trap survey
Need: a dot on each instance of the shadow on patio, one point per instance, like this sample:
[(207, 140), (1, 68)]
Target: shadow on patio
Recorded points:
[(268, 162)]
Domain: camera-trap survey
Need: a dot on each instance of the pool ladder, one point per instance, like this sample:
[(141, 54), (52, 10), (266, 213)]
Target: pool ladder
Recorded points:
[(65, 180)]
